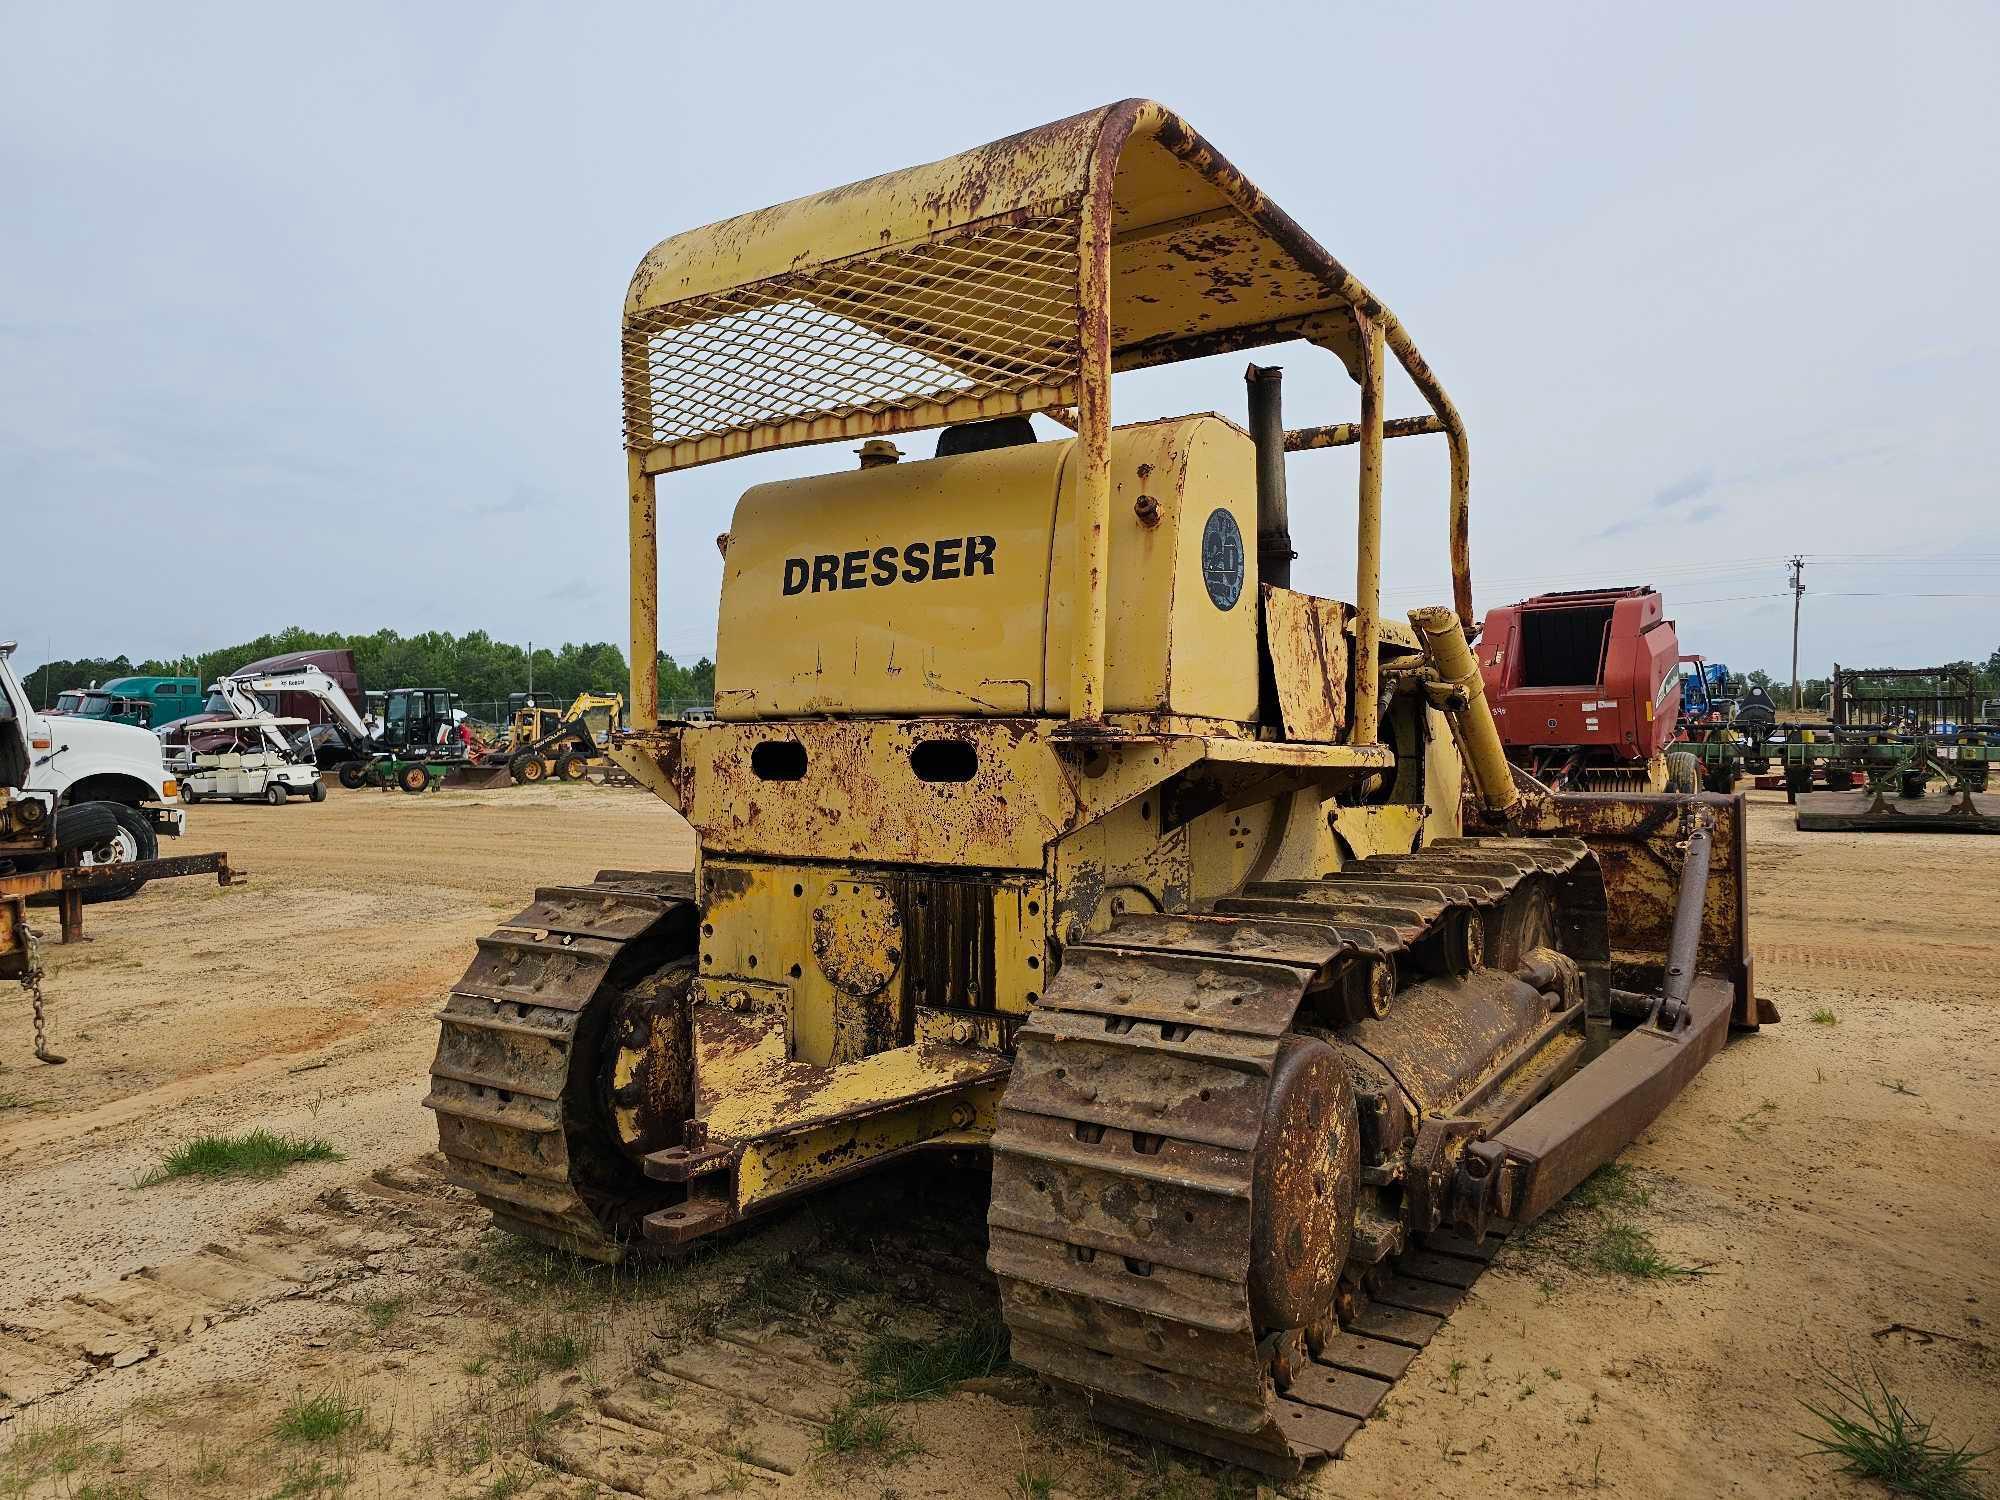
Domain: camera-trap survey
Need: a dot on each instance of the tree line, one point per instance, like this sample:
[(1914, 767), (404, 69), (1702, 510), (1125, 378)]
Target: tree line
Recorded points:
[(478, 668)]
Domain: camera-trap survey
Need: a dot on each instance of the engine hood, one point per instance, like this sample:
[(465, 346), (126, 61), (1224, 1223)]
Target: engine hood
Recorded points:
[(92, 747)]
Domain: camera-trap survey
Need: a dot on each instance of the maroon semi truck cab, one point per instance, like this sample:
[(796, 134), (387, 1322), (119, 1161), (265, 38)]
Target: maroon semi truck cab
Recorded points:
[(1583, 682)]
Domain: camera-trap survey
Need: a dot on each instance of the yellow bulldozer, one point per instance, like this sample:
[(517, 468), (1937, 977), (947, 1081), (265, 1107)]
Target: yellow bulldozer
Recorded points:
[(1040, 815)]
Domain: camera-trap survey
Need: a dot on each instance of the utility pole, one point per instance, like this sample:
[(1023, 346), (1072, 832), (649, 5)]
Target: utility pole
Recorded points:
[(1798, 593), (531, 668)]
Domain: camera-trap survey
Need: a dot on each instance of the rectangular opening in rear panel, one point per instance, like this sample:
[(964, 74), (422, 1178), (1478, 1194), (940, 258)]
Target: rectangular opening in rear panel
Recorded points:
[(1564, 647)]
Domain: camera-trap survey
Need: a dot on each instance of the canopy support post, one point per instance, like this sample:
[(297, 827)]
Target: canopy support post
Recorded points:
[(1368, 541), (643, 530), (1093, 456)]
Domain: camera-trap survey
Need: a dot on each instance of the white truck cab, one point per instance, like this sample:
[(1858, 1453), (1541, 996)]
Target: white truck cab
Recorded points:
[(79, 760)]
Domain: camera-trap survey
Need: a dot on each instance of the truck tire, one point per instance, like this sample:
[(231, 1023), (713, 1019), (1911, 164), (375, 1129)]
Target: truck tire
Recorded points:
[(413, 779), (1683, 773), (1911, 784), (1720, 779), (528, 768), (106, 833), (1797, 779), (274, 793), (1838, 780), (353, 774), (572, 767), (188, 794)]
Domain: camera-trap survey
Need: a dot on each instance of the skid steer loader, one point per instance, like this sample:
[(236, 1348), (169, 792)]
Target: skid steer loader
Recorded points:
[(1041, 814), (544, 742)]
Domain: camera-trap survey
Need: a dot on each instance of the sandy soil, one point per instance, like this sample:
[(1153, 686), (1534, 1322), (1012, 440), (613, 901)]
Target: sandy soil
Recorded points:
[(1831, 1181)]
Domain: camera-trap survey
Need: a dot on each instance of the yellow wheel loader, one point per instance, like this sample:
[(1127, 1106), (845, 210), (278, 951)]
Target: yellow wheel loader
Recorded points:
[(1040, 814)]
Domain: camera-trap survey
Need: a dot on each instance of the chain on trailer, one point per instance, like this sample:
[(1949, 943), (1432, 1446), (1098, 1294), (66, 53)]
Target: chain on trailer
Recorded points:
[(31, 981)]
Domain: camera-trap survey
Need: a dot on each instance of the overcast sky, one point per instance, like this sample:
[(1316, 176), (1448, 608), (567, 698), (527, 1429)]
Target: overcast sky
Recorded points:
[(308, 315)]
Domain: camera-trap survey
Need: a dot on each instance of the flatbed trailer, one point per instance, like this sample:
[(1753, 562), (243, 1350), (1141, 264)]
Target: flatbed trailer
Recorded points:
[(68, 884)]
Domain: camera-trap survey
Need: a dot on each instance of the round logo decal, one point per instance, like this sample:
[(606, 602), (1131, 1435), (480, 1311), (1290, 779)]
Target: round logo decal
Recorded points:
[(1222, 559)]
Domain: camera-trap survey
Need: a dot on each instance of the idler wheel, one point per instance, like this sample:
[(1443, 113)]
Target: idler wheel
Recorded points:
[(1303, 1185)]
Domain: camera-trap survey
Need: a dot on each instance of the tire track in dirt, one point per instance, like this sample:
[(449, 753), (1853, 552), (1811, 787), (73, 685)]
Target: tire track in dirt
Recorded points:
[(343, 1235)]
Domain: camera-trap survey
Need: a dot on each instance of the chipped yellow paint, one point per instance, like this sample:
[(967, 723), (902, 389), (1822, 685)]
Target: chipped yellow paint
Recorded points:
[(1026, 748), (941, 575)]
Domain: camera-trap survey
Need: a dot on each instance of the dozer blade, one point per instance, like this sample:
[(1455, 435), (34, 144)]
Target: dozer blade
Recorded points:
[(477, 778), (1600, 1111), (1870, 812), (1639, 839)]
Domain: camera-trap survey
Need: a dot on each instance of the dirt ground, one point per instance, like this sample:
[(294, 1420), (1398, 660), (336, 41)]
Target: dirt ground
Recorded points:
[(351, 1328)]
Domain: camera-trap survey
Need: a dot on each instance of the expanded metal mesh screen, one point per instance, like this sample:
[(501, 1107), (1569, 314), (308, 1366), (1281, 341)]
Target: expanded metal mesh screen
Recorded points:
[(985, 312)]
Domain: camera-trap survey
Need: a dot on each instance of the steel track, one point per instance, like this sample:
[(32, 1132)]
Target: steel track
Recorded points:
[(517, 1119), (1122, 1209)]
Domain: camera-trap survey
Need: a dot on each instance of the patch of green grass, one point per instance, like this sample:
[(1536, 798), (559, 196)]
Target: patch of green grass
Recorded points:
[(853, 1431), (1613, 1185), (57, 1450), (254, 1153), (1628, 1250), (510, 1483), (1032, 1484), (208, 1468), (111, 1489), (309, 1481), (1821, 1016), (1876, 1436), (547, 1346), (894, 1368), (318, 1419), (11, 1100), (384, 1311)]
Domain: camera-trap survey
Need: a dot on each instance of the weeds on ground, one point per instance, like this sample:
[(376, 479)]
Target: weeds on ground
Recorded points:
[(1821, 1016), (208, 1468), (384, 1311), (1875, 1435), (894, 1368), (310, 1480), (898, 1368), (1613, 1185), (1628, 1250), (854, 1430), (58, 1451), (255, 1153), (549, 1345), (318, 1419), (1593, 1231), (1032, 1484)]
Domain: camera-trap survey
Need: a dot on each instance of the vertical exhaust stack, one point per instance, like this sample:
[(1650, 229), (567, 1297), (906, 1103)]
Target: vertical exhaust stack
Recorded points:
[(1267, 431), (1445, 645)]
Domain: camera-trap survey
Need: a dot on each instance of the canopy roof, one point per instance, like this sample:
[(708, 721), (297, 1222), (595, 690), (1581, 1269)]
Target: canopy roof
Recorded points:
[(965, 288)]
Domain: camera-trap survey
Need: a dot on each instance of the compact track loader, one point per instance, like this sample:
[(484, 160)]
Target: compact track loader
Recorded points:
[(1041, 814)]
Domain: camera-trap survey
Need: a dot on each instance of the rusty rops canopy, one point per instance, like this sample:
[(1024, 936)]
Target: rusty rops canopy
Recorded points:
[(1011, 278)]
